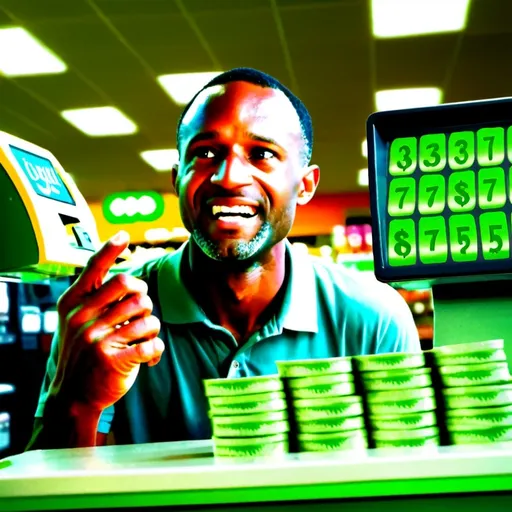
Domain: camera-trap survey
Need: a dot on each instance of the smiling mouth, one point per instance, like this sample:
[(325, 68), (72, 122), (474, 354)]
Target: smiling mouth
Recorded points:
[(233, 213)]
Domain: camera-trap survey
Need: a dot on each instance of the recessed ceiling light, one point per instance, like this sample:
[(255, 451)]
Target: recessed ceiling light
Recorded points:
[(100, 121), (393, 99), (362, 178), (161, 159), (364, 148), (402, 18), (182, 87), (21, 54)]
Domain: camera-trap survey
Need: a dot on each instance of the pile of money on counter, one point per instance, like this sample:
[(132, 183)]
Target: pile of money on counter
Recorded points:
[(249, 416), (477, 391), (400, 400), (456, 394), (327, 413)]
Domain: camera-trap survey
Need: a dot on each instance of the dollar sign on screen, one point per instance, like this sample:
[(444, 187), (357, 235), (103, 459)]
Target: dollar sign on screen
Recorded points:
[(406, 158), (462, 197), (402, 246)]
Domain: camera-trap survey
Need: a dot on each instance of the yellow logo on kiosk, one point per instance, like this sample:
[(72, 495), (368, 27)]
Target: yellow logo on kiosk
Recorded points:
[(48, 228)]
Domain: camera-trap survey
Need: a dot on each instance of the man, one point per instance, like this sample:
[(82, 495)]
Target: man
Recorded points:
[(229, 303)]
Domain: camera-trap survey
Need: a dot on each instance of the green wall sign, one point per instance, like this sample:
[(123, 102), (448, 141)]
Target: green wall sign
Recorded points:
[(130, 207)]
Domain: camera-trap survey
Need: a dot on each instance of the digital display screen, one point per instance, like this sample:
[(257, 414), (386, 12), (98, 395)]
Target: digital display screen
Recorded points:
[(43, 177), (441, 190)]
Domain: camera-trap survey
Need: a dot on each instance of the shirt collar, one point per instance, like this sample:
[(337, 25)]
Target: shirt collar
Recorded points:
[(298, 313)]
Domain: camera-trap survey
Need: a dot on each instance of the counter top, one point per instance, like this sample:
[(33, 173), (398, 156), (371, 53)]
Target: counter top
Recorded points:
[(187, 473)]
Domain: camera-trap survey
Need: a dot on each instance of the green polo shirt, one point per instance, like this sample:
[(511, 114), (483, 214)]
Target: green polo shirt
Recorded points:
[(326, 311)]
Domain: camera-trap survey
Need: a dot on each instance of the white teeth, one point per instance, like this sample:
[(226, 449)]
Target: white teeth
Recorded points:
[(245, 209)]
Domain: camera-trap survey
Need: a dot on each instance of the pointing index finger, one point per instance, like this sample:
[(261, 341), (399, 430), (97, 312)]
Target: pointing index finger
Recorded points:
[(100, 264)]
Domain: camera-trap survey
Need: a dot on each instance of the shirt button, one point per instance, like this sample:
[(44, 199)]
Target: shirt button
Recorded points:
[(235, 365)]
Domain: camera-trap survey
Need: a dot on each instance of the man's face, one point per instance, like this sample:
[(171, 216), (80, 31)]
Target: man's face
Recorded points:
[(241, 170)]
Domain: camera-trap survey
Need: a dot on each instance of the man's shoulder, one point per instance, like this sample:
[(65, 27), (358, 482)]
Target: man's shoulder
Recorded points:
[(350, 289)]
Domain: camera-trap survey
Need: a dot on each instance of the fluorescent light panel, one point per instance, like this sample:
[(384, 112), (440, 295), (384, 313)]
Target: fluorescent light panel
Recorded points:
[(395, 99), (161, 159), (364, 148), (402, 18), (100, 121), (182, 87), (21, 54), (362, 178)]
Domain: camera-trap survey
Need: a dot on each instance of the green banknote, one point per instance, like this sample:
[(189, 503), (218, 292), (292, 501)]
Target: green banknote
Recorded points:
[(413, 405), (404, 421), (403, 379), (221, 401), (243, 385), (398, 395), (482, 436), (278, 404), (479, 418), (483, 356), (322, 408), (251, 447), (319, 380), (406, 434), (341, 441), (377, 362), (428, 442), (475, 374), (311, 367), (478, 396), (330, 425), (264, 428), (324, 391)]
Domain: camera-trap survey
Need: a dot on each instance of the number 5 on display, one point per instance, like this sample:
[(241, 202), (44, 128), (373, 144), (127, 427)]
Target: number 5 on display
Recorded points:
[(463, 238)]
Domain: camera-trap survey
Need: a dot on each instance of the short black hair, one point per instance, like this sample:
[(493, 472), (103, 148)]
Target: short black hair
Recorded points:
[(256, 77)]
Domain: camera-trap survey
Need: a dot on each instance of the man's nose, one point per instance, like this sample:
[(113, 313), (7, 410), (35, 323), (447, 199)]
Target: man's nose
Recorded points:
[(232, 173)]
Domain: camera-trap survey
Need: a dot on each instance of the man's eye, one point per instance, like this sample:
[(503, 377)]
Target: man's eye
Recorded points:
[(262, 154), (207, 153)]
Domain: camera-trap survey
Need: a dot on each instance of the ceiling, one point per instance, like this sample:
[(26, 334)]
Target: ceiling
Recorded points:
[(322, 50)]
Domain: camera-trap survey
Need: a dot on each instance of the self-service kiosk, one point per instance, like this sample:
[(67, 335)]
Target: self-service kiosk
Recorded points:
[(48, 228), (47, 231)]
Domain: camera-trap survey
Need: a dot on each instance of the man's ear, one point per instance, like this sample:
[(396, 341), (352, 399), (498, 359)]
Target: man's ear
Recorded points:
[(175, 182), (308, 184)]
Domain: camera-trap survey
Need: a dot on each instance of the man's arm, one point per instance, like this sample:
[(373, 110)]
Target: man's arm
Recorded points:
[(60, 425)]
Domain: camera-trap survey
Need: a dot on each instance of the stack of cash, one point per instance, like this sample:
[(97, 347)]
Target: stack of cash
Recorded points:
[(327, 414), (400, 400), (248, 416), (477, 390)]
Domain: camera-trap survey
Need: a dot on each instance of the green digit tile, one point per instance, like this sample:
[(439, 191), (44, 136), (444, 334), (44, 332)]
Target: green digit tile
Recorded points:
[(495, 236), (490, 144), (402, 243), (431, 193), (432, 243), (461, 191), (432, 152), (510, 184), (461, 150), (491, 188), (509, 143), (402, 197), (403, 156), (463, 238)]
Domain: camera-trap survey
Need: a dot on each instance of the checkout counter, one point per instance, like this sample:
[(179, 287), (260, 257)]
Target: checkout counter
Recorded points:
[(186, 475)]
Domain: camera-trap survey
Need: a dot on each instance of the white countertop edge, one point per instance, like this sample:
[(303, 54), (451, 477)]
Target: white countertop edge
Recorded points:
[(298, 469)]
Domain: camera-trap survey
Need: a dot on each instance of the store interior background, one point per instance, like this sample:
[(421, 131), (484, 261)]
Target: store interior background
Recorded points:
[(113, 53)]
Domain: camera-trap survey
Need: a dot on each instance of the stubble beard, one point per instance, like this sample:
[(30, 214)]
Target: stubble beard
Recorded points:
[(239, 250)]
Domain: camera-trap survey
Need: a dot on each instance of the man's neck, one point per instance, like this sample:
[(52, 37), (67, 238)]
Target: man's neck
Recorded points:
[(240, 299)]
